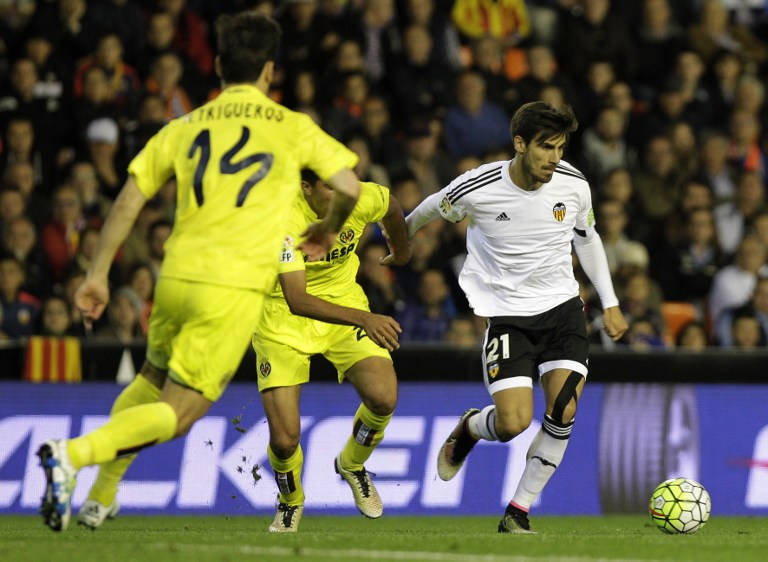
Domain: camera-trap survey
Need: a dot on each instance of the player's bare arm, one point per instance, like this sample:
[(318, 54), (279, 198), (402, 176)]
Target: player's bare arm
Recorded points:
[(93, 295), (381, 329), (320, 236), (396, 235)]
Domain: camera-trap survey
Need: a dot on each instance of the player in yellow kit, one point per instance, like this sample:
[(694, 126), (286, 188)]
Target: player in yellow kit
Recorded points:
[(237, 163), (318, 308)]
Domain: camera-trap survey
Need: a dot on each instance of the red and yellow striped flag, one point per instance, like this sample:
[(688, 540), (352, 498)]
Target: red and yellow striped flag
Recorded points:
[(53, 360)]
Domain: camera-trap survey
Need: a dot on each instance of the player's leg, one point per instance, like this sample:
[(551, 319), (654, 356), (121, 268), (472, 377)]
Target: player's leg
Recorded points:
[(101, 503), (283, 344), (281, 405), (507, 371), (376, 383), (563, 370)]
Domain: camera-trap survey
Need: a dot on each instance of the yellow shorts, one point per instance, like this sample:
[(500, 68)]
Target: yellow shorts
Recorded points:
[(200, 332), (284, 344)]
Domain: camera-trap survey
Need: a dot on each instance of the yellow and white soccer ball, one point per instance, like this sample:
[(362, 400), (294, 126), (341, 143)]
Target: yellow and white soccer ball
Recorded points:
[(680, 505)]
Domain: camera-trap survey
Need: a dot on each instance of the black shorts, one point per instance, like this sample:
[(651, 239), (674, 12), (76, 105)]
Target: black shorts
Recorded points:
[(517, 349)]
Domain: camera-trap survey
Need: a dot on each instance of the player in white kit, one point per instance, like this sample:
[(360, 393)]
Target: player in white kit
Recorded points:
[(525, 215)]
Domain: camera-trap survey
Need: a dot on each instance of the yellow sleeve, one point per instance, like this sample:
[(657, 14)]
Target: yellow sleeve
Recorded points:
[(153, 165), (291, 258), (320, 152), (374, 201)]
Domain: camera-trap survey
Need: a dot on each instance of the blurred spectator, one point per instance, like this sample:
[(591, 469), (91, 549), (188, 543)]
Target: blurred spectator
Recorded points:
[(55, 319), (611, 223), (462, 333), (158, 234), (419, 84), (95, 103), (61, 234), (505, 20), (699, 104), (714, 31), (20, 241), (757, 306), (604, 147), (102, 141), (83, 177), (347, 58), (377, 128), (20, 100), (659, 38), (474, 125), (686, 271), (542, 71), (692, 337), (135, 247), (644, 334), (165, 75), (150, 118), (314, 35), (375, 28), (346, 110), (141, 279), (190, 36), (733, 285), (123, 79), (123, 315), (22, 145), (72, 25), (445, 37), (724, 71), (385, 295), (365, 169), (595, 33), (684, 146), (749, 96), (638, 304), (744, 151), (73, 278), (301, 93), (408, 192), (746, 332), (19, 309), (592, 92), (52, 76), (13, 205), (488, 59), (19, 177), (658, 184), (127, 19), (713, 159), (424, 158), (427, 318), (734, 218)]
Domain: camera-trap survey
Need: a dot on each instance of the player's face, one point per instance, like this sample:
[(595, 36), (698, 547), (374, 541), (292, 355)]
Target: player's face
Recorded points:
[(541, 156), (319, 197)]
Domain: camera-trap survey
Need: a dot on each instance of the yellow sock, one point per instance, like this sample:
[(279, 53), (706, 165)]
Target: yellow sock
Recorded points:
[(288, 476), (125, 433), (104, 489), (367, 432)]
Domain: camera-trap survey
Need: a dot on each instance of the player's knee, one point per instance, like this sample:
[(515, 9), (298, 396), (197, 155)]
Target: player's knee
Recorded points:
[(382, 403), (511, 425), (284, 445)]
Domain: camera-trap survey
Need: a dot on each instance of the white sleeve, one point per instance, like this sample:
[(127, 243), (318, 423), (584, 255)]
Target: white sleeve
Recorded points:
[(427, 211), (589, 248)]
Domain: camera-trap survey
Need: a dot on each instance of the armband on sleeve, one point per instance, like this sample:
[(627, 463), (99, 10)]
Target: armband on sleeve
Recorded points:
[(449, 212)]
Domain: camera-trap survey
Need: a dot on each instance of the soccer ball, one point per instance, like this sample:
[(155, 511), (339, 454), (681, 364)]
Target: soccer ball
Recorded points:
[(680, 505)]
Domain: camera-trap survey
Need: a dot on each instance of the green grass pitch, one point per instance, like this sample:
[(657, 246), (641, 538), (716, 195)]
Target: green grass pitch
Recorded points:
[(322, 538)]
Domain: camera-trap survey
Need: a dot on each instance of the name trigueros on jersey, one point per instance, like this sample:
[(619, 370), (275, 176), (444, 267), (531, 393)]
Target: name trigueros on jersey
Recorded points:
[(236, 110)]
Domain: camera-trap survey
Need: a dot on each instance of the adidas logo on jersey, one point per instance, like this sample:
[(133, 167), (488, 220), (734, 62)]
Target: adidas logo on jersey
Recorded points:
[(502, 217)]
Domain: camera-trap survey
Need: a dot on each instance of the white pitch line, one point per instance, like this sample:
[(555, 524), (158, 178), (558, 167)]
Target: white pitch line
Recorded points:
[(353, 553)]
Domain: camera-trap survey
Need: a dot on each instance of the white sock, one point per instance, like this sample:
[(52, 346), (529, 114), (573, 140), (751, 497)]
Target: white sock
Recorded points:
[(483, 425), (544, 455)]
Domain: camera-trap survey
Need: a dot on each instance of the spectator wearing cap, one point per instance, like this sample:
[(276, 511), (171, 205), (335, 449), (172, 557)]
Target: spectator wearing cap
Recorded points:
[(102, 138)]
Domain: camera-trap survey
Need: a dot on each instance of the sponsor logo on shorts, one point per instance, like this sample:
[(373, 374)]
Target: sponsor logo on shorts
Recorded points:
[(264, 368), (559, 211), (493, 370)]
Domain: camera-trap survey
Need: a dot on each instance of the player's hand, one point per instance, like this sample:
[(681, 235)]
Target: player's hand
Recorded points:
[(615, 324), (91, 299), (318, 241), (396, 256), (382, 330)]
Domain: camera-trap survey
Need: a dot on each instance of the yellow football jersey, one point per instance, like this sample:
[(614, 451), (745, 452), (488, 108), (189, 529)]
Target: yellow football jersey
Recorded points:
[(237, 163), (335, 276)]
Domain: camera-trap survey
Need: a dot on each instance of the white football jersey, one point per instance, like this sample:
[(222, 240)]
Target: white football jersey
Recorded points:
[(518, 242)]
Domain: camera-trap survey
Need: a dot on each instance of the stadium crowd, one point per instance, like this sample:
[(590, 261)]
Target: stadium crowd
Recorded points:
[(673, 137)]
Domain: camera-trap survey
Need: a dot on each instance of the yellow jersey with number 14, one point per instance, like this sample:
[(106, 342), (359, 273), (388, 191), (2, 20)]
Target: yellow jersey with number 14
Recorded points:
[(237, 162)]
